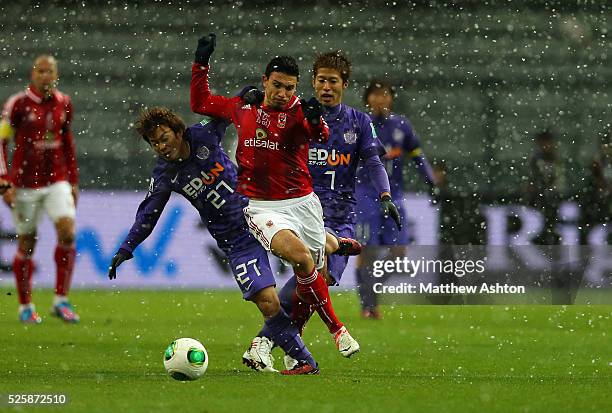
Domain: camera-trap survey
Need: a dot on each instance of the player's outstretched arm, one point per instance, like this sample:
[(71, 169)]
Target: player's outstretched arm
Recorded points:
[(149, 211), (202, 100)]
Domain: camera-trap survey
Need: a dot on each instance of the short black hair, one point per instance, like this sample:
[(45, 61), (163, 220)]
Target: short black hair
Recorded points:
[(545, 136), (283, 64), (378, 84)]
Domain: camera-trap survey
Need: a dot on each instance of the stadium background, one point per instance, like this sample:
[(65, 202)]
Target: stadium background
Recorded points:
[(477, 79)]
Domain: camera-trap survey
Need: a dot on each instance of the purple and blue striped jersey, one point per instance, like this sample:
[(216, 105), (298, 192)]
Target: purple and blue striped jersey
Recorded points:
[(333, 165), (206, 179)]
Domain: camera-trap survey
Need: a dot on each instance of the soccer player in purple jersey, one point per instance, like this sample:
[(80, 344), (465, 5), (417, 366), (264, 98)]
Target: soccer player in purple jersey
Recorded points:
[(192, 163), (400, 141)]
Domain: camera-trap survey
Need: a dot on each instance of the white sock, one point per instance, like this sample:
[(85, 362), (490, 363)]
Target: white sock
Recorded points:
[(59, 299), (26, 306)]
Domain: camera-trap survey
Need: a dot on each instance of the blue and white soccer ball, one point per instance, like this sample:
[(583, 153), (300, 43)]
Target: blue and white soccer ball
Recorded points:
[(186, 359)]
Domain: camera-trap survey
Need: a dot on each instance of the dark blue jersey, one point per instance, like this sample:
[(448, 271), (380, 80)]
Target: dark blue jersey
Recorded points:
[(333, 165), (207, 179), (398, 137)]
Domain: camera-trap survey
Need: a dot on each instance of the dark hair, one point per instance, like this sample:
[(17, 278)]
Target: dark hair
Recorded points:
[(333, 60), (151, 119), (283, 64), (545, 136), (376, 85)]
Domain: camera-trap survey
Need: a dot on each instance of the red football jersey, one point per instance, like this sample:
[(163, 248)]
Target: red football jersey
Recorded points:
[(44, 145), (272, 151)]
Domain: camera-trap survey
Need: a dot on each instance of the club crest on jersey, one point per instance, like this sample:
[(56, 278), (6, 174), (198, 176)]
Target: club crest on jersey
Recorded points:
[(269, 224), (203, 153), (282, 120), (350, 136)]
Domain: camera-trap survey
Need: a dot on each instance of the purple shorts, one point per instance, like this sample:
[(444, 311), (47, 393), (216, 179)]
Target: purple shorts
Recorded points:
[(250, 266)]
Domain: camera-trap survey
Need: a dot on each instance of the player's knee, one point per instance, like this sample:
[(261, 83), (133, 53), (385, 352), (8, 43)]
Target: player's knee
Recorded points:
[(65, 231), (66, 238), (27, 242)]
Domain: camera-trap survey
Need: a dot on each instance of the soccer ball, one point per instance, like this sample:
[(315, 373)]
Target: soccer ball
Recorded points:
[(186, 359)]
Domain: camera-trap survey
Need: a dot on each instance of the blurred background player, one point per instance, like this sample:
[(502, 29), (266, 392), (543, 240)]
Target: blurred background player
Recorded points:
[(598, 193), (192, 163), (44, 177), (401, 143), (547, 185), (283, 212)]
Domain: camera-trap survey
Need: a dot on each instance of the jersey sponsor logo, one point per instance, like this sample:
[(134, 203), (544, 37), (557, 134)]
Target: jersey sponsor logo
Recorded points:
[(261, 141), (203, 153), (322, 156), (350, 136), (246, 107), (282, 120), (173, 180), (197, 185)]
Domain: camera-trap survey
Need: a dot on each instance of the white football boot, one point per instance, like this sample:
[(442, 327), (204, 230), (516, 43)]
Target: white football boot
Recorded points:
[(346, 344), (259, 355)]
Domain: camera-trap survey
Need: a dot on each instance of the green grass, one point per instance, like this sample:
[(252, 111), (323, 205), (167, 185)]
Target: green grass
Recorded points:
[(418, 358)]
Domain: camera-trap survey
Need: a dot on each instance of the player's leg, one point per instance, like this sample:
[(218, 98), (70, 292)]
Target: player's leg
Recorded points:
[(310, 214), (26, 213), (59, 205), (251, 268), (340, 245), (369, 232), (277, 229)]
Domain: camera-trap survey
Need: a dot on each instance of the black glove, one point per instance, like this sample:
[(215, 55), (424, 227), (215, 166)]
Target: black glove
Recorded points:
[(120, 256), (312, 110), (253, 97), (390, 210), (206, 47)]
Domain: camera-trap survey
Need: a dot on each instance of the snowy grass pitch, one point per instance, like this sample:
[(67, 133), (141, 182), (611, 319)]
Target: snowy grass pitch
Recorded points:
[(418, 358)]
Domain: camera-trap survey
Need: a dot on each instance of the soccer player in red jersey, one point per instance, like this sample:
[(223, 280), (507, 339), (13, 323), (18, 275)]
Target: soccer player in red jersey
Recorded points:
[(283, 213), (43, 176)]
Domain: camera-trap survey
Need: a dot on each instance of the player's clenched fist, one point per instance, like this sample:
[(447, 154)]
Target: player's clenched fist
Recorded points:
[(312, 110), (206, 47)]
